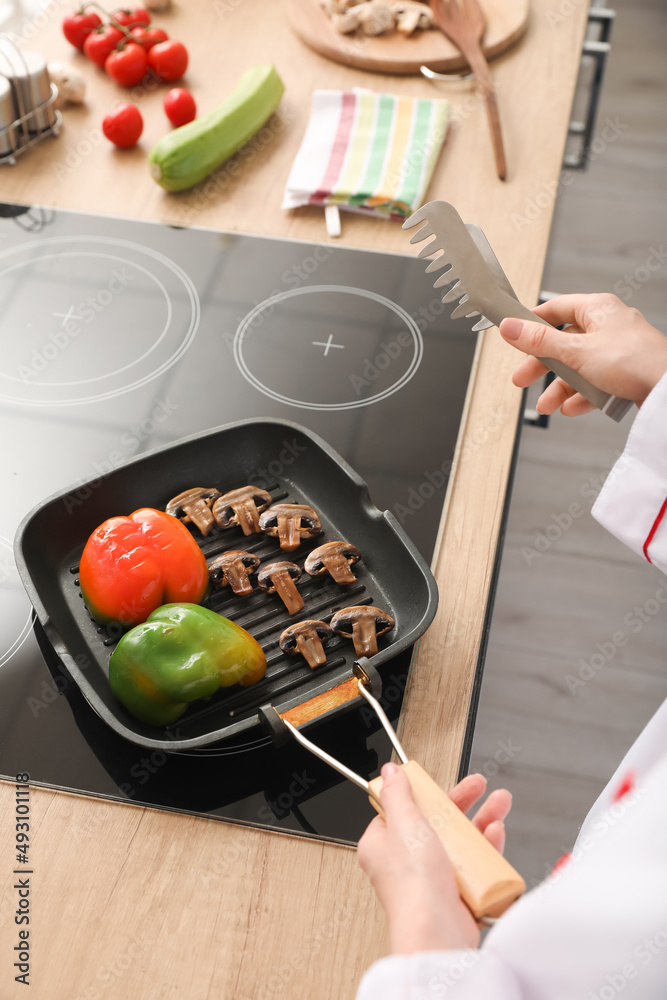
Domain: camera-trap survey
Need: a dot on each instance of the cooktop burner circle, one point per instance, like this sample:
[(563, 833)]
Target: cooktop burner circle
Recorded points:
[(10, 644), (69, 298), (227, 750), (116, 260), (355, 347)]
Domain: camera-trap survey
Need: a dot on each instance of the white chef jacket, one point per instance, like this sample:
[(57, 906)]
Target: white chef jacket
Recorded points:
[(596, 928)]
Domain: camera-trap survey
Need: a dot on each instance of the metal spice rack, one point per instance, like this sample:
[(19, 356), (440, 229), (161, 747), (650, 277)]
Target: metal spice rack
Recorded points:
[(23, 138)]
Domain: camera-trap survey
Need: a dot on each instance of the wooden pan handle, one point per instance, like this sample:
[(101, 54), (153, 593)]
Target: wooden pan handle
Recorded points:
[(487, 882), (321, 703)]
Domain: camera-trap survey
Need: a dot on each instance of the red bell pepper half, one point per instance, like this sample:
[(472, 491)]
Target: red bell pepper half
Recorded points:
[(132, 565)]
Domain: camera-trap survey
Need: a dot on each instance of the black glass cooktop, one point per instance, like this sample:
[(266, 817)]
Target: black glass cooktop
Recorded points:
[(120, 336)]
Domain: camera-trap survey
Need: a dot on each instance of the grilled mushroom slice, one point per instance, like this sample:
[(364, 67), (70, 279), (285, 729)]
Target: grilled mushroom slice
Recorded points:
[(242, 507), (194, 505), (334, 558), (232, 568), (363, 624), (290, 522), (279, 578), (307, 638)]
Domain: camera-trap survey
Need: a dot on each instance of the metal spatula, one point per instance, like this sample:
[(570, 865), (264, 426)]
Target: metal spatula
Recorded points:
[(479, 289)]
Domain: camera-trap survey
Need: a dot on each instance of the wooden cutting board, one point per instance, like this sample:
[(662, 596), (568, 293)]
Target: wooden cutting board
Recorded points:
[(394, 53)]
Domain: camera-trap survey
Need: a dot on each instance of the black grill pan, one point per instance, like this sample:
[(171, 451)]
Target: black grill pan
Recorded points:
[(296, 466)]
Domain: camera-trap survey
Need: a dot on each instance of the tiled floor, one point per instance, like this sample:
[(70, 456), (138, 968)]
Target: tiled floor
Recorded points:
[(565, 587)]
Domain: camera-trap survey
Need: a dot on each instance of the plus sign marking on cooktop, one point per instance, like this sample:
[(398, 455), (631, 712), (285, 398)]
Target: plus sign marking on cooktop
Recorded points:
[(327, 347), (66, 317), (98, 316), (366, 347)]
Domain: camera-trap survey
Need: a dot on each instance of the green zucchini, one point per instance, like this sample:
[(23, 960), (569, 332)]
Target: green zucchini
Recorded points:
[(188, 154)]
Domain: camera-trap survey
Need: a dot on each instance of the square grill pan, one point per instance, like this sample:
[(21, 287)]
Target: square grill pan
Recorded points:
[(391, 574)]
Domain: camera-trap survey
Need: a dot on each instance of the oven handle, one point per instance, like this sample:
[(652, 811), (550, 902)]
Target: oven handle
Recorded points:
[(598, 50)]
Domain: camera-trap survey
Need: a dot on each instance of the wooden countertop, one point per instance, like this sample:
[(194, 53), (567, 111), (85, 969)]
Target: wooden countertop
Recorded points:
[(129, 901)]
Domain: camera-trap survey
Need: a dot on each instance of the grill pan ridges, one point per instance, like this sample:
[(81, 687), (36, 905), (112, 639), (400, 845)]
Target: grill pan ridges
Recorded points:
[(392, 573)]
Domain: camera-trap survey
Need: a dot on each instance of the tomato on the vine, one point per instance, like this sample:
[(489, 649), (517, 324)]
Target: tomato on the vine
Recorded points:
[(179, 106), (127, 65), (148, 37), (77, 27), (169, 60), (129, 17), (101, 42), (123, 125)]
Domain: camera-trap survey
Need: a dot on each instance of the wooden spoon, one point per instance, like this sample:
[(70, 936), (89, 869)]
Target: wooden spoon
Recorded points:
[(463, 22)]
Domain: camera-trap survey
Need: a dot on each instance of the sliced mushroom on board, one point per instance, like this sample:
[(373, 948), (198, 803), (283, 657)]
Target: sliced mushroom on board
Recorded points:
[(232, 569), (307, 638), (194, 505), (363, 624), (242, 507), (340, 6), (334, 558), (279, 578), (376, 18), (379, 17), (351, 19), (411, 15), (290, 522)]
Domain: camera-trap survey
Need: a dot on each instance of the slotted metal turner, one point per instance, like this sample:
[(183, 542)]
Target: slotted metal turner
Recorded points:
[(481, 287)]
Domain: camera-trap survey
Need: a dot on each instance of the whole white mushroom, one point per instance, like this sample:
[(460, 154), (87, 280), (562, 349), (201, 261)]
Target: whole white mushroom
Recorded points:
[(69, 81)]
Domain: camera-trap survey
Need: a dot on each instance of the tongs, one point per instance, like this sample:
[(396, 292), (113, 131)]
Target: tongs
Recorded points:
[(486, 881), (479, 286)]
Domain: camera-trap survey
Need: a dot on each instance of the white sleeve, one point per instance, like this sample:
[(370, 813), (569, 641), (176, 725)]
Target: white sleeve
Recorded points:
[(598, 926), (633, 501), (595, 928), (431, 975)]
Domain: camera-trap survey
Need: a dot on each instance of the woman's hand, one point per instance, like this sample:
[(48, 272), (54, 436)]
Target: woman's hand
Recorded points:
[(619, 352), (411, 872)]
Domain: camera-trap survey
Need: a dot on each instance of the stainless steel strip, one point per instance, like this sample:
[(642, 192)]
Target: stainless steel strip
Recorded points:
[(328, 759), (386, 724)]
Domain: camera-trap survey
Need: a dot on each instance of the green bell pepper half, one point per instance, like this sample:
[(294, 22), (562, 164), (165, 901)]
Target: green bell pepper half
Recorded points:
[(182, 652)]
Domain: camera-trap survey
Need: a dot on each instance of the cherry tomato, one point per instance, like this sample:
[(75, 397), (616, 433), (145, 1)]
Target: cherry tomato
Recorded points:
[(123, 125), (169, 60), (77, 27), (129, 17), (101, 42), (148, 37), (179, 106), (127, 65)]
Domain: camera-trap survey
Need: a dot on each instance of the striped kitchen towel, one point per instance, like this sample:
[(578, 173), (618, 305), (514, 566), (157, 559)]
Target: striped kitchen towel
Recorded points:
[(367, 152)]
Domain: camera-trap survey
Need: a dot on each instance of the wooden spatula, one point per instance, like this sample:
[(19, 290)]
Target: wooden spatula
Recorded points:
[(463, 21)]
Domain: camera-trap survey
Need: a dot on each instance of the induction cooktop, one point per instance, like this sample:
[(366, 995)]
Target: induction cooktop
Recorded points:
[(119, 336)]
